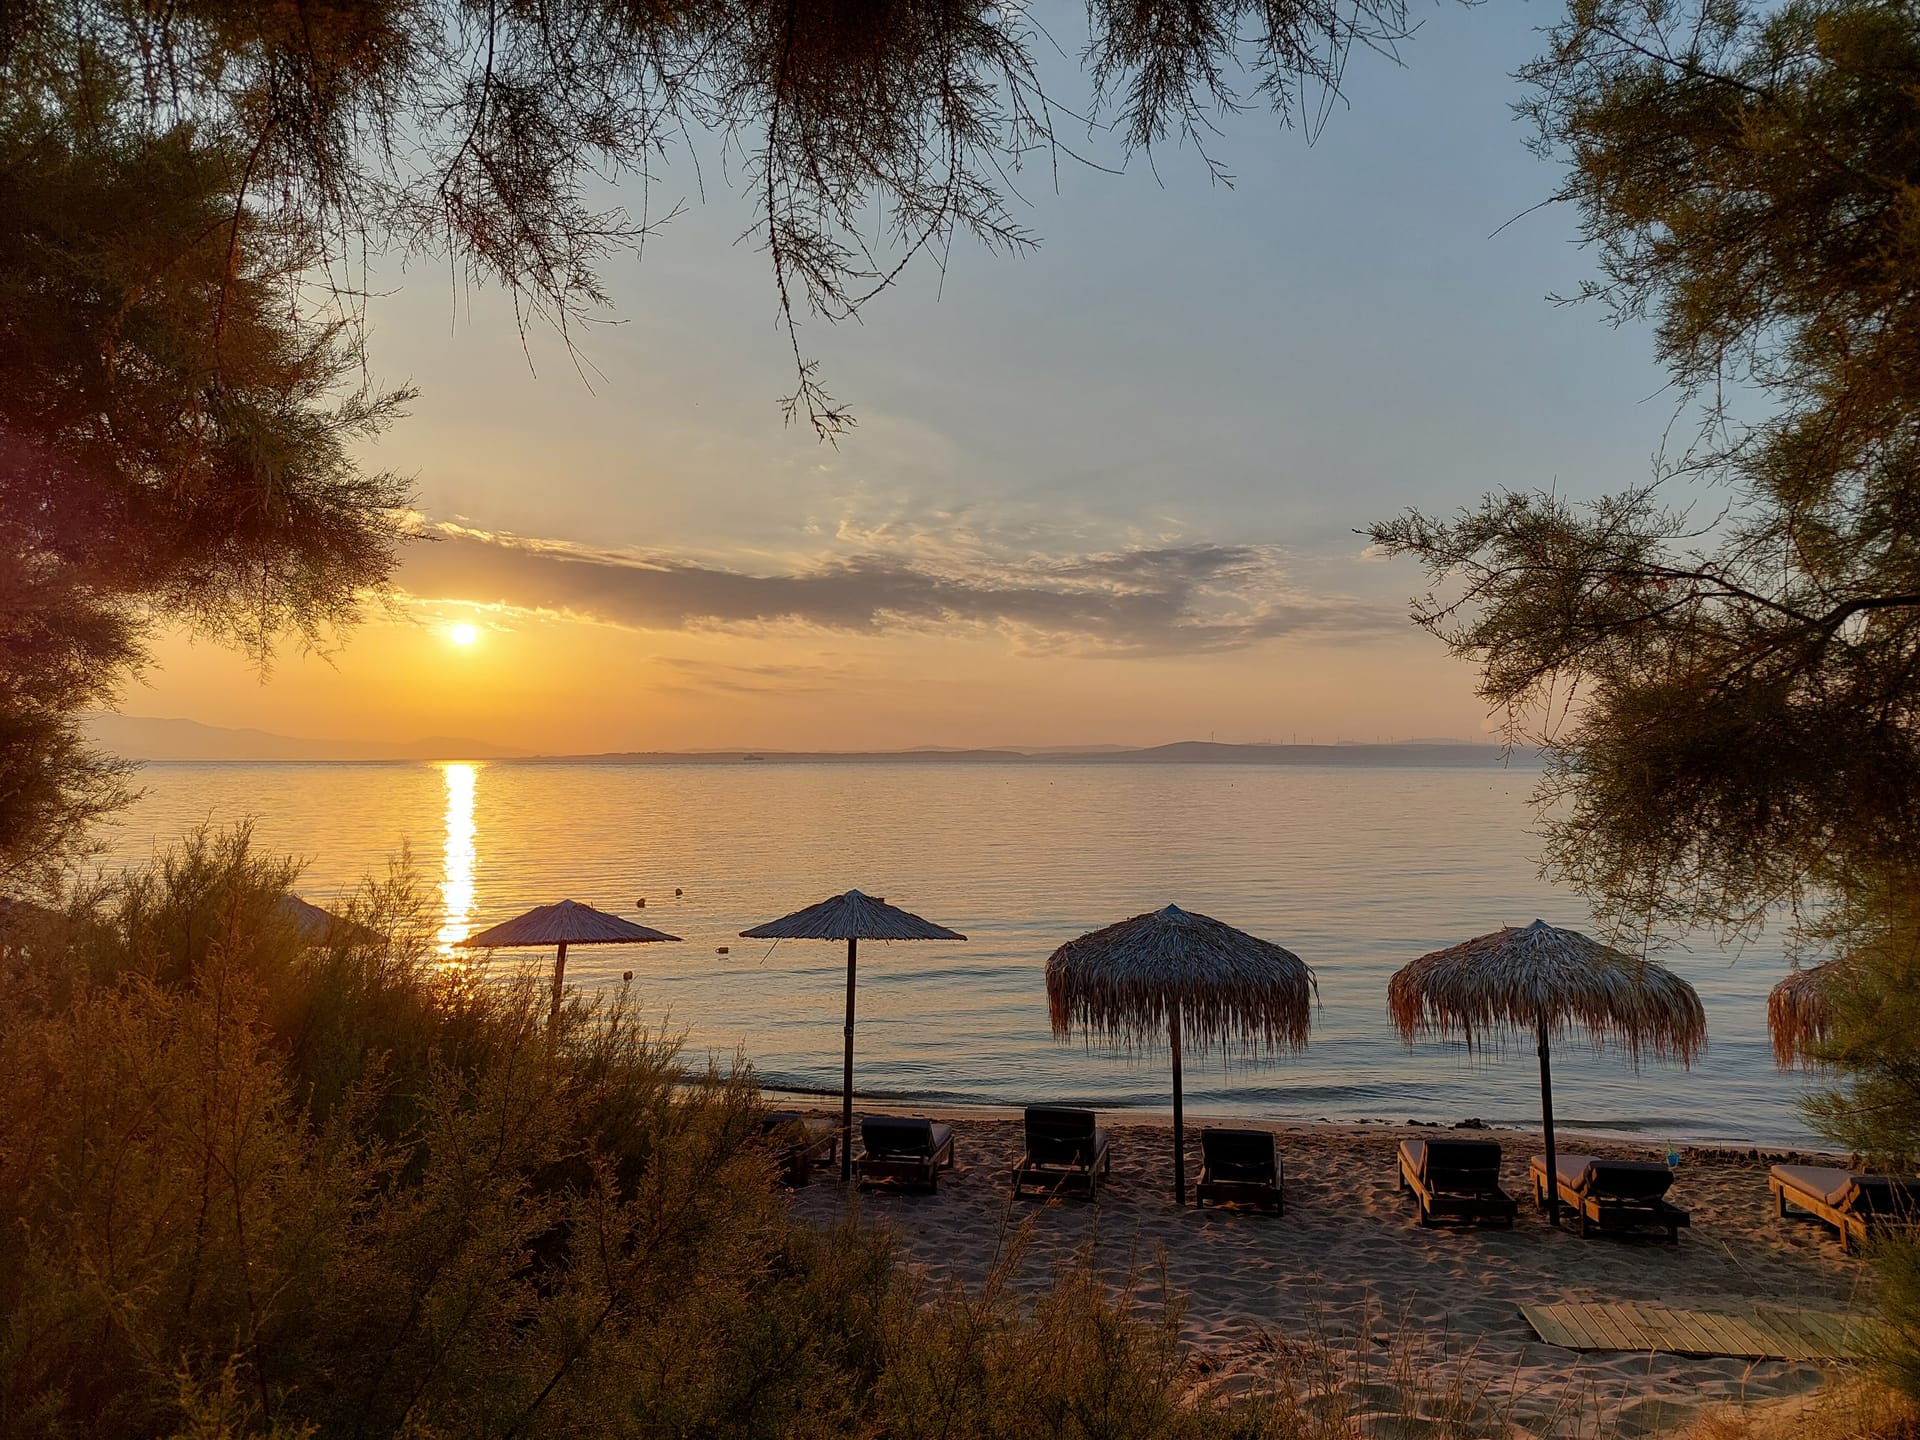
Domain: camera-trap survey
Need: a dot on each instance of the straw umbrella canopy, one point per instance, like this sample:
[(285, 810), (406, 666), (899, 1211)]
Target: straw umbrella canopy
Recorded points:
[(1542, 980), (317, 925), (1798, 1014), (851, 917), (563, 923), (22, 923), (1176, 973)]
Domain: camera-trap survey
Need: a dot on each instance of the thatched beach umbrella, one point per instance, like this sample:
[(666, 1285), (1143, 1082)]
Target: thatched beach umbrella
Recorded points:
[(1798, 1014), (564, 923), (1180, 974), (1542, 980), (851, 917), (317, 925), (23, 924)]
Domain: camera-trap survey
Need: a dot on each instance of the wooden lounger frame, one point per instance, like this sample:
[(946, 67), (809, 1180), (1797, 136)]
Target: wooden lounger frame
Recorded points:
[(1032, 1174), (921, 1172), (1268, 1195), (1613, 1212), (1473, 1208), (798, 1159), (1851, 1224)]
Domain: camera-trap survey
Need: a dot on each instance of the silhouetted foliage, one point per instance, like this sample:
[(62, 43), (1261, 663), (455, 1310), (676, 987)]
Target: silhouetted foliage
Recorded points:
[(477, 131), (63, 647)]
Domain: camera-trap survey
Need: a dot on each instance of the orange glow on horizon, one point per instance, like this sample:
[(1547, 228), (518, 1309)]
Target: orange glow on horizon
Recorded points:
[(560, 685)]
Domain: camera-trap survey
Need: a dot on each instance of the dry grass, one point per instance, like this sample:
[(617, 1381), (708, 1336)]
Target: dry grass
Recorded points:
[(1497, 987), (1851, 1409), (1123, 983)]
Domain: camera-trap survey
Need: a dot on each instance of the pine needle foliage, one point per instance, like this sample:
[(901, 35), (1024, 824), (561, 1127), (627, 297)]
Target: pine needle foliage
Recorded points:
[(1723, 665)]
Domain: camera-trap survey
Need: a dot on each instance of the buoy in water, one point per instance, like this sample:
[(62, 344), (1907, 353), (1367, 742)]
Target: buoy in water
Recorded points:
[(626, 974), (641, 903), (678, 891), (723, 950)]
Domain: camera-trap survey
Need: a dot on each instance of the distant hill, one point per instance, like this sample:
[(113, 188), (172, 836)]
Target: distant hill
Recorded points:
[(1451, 754), (146, 737), (1346, 752), (149, 737)]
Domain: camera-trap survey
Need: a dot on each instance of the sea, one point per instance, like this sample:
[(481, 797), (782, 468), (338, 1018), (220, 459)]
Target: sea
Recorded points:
[(1356, 869)]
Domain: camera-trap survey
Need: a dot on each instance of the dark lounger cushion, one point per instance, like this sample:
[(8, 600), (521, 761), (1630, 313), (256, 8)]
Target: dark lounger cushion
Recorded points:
[(1455, 1164), (1060, 1119), (887, 1136), (1882, 1195), (1629, 1179), (1621, 1179), (1239, 1155), (1058, 1135)]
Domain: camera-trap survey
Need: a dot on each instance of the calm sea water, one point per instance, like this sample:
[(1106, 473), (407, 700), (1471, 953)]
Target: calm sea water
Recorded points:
[(1356, 870)]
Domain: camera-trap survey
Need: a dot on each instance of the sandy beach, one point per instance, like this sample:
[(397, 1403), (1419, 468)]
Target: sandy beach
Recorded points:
[(1349, 1265)]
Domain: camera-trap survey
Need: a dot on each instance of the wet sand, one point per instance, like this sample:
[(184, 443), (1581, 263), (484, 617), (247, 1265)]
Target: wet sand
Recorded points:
[(1348, 1272)]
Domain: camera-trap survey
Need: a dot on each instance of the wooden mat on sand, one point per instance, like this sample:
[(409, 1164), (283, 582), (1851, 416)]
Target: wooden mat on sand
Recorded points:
[(1765, 1333)]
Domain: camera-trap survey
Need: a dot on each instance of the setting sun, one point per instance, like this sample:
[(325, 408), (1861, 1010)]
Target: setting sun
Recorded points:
[(464, 634)]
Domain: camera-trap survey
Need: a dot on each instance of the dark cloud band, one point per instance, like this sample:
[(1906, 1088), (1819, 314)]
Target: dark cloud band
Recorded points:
[(1169, 599)]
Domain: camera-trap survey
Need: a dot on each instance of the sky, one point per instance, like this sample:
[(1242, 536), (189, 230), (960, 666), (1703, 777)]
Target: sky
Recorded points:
[(1107, 492)]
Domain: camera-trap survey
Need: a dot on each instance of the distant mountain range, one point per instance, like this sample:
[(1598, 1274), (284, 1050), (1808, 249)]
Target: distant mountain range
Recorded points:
[(141, 737), (147, 737), (1451, 753)]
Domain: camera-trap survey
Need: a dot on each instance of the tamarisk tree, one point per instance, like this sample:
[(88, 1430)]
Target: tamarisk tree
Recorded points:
[(1724, 664)]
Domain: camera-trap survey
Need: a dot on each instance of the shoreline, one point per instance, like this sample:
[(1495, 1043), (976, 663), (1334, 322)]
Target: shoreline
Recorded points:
[(827, 1103)]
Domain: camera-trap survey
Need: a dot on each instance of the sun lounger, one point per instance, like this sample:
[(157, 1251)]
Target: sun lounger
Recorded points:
[(1239, 1167), (1611, 1194), (909, 1153), (800, 1142), (1064, 1148), (1850, 1202), (1456, 1180)]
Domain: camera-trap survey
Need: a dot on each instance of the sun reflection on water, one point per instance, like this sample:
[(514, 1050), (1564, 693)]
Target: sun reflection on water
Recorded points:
[(456, 883)]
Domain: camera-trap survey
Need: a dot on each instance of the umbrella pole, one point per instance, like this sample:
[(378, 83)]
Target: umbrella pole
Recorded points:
[(846, 1075), (1179, 1140), (1546, 1110), (559, 975)]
